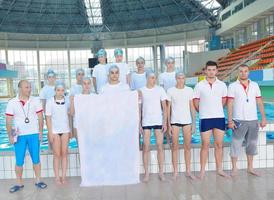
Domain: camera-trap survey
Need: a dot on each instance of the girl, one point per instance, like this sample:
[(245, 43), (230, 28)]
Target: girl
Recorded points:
[(57, 119)]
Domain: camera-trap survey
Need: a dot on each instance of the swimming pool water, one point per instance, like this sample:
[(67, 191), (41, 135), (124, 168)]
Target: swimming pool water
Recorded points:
[(196, 139)]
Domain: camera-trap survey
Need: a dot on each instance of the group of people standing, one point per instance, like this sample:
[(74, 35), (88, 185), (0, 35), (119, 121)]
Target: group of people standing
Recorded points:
[(165, 108)]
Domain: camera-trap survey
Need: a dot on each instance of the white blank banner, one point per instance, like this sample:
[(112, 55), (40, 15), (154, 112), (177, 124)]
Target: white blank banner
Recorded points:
[(107, 127)]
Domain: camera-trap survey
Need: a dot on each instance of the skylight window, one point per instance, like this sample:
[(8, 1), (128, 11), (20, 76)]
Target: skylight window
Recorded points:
[(94, 12)]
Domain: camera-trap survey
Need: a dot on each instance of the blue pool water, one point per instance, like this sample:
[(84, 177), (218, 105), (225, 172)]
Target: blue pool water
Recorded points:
[(196, 139)]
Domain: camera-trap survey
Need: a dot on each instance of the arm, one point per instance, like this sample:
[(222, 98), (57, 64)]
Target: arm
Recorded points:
[(261, 109), (224, 101), (71, 109), (41, 124), (128, 79), (164, 107), (94, 84), (231, 123), (43, 101), (140, 111), (169, 117), (49, 126), (9, 128), (196, 102), (193, 116)]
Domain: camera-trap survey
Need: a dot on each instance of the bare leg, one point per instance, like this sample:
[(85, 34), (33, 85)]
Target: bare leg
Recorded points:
[(64, 155), (160, 153), (187, 150), (37, 171), (146, 152), (234, 166), (204, 152), (218, 145), (250, 168), (19, 173), (175, 148), (56, 157)]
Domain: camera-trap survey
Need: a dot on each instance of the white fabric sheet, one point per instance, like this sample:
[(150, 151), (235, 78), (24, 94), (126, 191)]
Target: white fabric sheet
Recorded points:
[(107, 127)]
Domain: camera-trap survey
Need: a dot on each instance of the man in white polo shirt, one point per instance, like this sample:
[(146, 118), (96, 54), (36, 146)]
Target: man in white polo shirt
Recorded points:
[(114, 85), (181, 114), (27, 114), (209, 98), (243, 97)]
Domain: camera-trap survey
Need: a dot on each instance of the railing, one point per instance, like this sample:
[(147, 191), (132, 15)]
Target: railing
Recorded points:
[(229, 73)]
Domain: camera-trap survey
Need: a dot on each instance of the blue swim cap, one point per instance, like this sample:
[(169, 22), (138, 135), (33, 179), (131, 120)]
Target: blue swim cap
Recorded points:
[(118, 52), (101, 53)]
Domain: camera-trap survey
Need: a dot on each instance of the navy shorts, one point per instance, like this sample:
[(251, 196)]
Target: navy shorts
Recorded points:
[(153, 127), (211, 123)]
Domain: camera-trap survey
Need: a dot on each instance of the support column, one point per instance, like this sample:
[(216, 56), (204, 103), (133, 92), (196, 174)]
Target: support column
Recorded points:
[(162, 56), (155, 63)]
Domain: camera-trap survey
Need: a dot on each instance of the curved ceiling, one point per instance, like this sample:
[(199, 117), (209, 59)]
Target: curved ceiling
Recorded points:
[(93, 16)]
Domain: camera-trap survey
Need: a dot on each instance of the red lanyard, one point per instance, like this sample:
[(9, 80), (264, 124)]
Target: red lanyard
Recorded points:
[(246, 88)]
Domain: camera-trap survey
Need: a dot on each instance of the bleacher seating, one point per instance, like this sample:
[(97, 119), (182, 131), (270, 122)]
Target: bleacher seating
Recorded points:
[(264, 58)]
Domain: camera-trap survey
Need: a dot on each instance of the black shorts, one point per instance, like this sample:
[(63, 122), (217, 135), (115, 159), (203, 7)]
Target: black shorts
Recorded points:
[(152, 127), (179, 125)]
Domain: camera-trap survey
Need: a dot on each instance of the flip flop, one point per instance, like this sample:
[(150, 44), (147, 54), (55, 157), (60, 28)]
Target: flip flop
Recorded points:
[(41, 185), (16, 188)]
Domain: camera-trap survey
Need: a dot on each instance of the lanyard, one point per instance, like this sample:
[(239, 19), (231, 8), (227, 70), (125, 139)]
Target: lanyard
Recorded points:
[(26, 115), (246, 89)]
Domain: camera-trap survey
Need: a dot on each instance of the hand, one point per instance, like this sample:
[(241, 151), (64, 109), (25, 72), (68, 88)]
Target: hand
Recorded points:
[(232, 125), (263, 123), (164, 128), (11, 139), (193, 128)]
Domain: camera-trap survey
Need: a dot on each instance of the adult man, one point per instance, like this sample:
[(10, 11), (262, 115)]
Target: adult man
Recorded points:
[(243, 97), (99, 74), (27, 113), (114, 84), (181, 114), (209, 98)]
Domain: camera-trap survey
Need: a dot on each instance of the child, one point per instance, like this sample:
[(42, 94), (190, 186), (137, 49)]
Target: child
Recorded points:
[(57, 119)]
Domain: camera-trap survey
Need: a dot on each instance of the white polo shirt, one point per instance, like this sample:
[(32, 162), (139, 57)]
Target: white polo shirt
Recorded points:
[(244, 104), (151, 105), (100, 73), (119, 87), (59, 115), (167, 80), (210, 97), (138, 80), (180, 104), (47, 92), (31, 108), (124, 71)]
